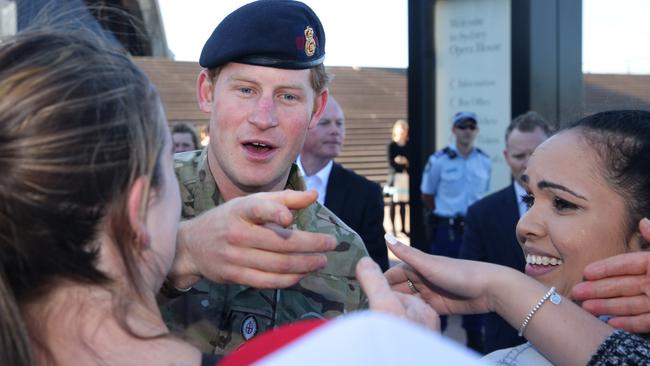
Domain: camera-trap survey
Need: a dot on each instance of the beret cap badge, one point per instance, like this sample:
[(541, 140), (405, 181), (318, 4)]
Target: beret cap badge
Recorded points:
[(310, 43)]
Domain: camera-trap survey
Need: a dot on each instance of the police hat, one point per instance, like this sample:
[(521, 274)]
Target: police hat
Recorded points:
[(285, 34), (464, 116)]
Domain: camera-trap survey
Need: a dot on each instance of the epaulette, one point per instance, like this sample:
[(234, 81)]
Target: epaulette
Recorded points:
[(451, 154), (482, 152)]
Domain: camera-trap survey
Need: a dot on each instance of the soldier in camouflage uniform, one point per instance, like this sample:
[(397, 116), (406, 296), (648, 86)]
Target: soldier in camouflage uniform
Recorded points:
[(258, 122)]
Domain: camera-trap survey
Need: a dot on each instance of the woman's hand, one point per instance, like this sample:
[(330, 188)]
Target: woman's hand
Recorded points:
[(450, 286), (402, 160), (385, 300)]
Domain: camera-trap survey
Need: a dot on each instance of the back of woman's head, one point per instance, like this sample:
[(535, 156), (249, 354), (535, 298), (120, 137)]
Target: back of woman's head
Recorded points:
[(622, 141), (78, 123)]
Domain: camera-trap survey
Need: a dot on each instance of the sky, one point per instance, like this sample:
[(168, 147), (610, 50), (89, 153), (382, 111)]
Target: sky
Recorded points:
[(616, 34)]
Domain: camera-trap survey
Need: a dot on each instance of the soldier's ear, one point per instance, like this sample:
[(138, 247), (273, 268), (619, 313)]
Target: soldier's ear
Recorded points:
[(319, 107), (204, 91)]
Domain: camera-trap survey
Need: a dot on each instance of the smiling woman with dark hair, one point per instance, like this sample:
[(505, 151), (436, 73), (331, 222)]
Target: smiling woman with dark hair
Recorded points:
[(588, 191)]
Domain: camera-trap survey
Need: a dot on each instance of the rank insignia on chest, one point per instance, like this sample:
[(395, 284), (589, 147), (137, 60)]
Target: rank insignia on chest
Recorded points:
[(249, 327)]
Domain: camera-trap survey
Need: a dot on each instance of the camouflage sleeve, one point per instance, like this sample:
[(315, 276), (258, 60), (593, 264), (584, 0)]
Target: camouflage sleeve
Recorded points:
[(337, 282), (240, 313), (218, 318)]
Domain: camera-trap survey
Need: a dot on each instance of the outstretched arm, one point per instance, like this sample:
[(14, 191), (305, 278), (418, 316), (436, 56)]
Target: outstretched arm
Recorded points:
[(246, 241), (564, 333)]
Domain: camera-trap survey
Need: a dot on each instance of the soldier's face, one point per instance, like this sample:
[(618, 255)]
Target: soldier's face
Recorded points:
[(519, 147), (258, 122), (325, 140)]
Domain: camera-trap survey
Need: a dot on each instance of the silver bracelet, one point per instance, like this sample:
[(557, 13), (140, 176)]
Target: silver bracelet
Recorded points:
[(552, 295)]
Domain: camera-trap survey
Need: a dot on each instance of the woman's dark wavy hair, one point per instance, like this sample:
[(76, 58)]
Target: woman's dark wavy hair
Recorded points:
[(79, 122), (622, 141)]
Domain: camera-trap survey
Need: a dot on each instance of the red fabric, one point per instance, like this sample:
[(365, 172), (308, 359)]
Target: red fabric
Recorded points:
[(269, 342)]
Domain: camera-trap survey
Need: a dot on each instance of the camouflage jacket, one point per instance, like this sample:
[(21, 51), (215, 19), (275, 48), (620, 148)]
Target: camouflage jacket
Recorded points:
[(217, 318)]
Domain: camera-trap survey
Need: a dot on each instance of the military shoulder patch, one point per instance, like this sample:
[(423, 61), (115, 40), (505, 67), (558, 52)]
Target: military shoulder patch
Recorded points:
[(249, 327)]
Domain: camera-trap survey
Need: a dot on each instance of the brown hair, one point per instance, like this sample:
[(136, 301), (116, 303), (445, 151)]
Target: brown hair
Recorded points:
[(528, 122), (79, 122), (622, 141), (186, 127)]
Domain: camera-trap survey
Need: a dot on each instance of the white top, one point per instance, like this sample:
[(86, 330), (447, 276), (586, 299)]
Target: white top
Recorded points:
[(373, 339), (522, 355), (317, 181), (520, 192)]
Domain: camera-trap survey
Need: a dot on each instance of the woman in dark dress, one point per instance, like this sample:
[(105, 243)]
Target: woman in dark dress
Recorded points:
[(398, 173)]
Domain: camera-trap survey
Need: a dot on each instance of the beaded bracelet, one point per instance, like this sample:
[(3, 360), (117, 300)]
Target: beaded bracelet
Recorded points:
[(552, 295)]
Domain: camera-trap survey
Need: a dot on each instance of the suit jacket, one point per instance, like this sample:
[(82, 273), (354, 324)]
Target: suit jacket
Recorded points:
[(360, 204), (490, 237)]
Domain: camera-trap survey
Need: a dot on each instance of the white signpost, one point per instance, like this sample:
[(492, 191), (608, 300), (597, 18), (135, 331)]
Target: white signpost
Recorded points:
[(472, 48)]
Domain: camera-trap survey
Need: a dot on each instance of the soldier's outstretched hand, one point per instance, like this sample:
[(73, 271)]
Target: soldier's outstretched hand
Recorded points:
[(248, 241)]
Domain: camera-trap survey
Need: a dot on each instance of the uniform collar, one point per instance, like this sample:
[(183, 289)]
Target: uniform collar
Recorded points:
[(211, 190), (453, 147)]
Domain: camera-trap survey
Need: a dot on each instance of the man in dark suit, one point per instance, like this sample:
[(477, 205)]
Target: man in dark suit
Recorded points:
[(490, 222), (353, 198)]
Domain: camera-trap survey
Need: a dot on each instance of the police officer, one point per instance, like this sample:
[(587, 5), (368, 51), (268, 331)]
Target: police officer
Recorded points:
[(454, 178), (263, 85)]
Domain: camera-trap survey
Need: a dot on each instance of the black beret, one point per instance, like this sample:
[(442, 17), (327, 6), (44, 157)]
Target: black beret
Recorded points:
[(285, 34)]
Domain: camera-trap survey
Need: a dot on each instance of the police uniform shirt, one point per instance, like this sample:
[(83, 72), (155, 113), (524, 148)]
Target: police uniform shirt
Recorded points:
[(454, 181)]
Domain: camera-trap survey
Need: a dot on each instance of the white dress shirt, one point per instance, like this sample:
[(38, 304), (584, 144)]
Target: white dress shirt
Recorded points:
[(317, 181), (520, 192)]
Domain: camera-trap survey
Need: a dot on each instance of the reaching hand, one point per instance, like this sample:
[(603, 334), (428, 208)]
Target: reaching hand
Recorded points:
[(450, 286), (619, 286), (246, 241), (383, 299)]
